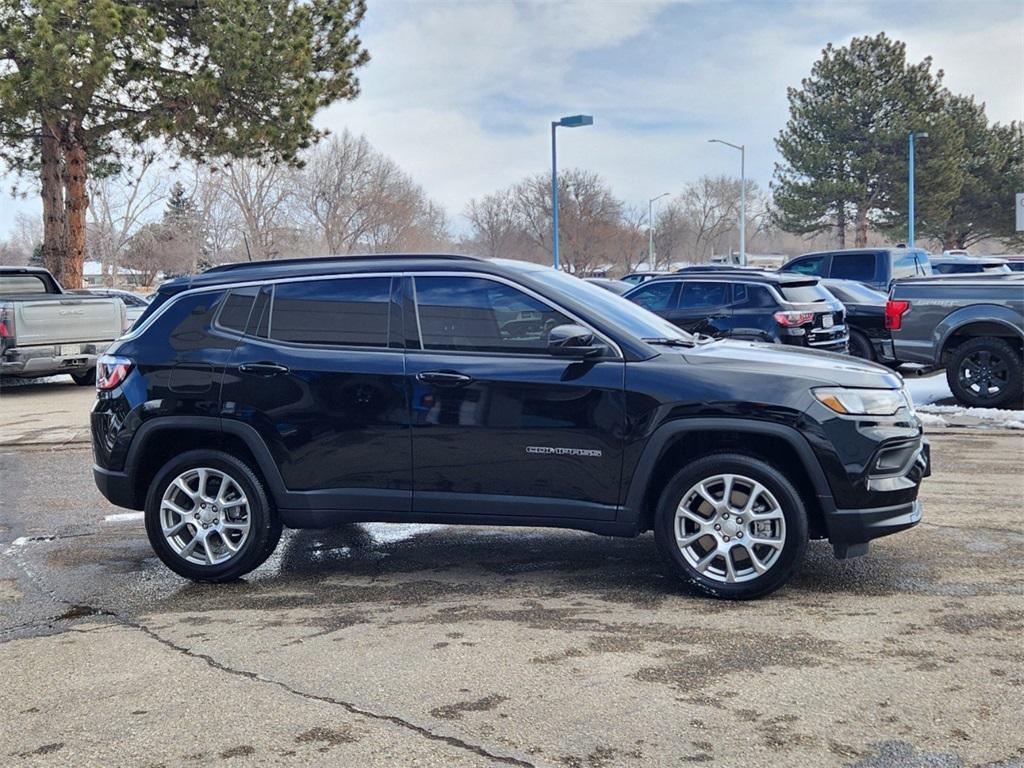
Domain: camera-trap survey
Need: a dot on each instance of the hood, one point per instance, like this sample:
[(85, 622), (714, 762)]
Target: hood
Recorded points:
[(817, 367)]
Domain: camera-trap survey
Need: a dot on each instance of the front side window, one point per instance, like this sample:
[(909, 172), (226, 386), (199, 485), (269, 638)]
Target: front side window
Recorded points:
[(698, 295), (351, 312), (656, 297), (813, 265), (854, 266), (473, 314)]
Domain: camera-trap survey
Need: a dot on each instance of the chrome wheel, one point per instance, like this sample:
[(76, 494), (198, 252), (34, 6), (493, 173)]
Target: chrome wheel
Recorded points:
[(730, 528), (204, 516)]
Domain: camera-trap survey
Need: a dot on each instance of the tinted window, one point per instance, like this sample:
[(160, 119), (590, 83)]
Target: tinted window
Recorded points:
[(704, 295), (22, 284), (853, 266), (910, 263), (751, 297), (351, 312), (474, 314), (855, 293), (234, 314), (656, 297), (805, 293), (813, 265), (1016, 266)]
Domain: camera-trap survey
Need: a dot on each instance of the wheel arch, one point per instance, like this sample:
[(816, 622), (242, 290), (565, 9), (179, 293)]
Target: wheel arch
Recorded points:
[(674, 445), (975, 321)]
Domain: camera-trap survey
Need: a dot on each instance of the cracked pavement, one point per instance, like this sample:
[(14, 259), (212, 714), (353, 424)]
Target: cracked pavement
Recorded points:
[(472, 646)]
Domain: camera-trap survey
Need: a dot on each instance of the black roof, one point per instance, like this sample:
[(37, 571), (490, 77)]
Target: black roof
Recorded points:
[(740, 275)]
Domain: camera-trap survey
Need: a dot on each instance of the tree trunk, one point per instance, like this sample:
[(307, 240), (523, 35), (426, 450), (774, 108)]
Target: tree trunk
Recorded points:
[(77, 201), (841, 223), (52, 189), (861, 228)]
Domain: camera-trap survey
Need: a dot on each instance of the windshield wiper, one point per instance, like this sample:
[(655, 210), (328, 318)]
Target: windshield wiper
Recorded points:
[(670, 342)]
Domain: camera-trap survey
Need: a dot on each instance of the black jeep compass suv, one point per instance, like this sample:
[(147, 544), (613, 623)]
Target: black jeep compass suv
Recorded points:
[(450, 389)]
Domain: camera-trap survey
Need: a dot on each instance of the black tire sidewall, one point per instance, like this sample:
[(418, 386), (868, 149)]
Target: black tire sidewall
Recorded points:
[(776, 482), (1015, 386), (264, 530), (859, 341), (85, 378)]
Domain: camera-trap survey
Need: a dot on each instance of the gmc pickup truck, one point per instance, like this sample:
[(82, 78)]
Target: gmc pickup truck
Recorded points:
[(971, 325), (45, 331)]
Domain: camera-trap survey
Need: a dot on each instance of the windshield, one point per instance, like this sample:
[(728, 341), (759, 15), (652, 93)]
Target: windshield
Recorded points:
[(631, 317)]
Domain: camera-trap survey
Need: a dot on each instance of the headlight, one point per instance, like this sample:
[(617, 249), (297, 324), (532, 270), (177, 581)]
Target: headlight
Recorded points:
[(864, 402)]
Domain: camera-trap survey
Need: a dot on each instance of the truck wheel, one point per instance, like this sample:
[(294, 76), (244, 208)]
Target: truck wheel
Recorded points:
[(860, 346), (85, 378), (208, 517), (731, 526), (985, 373)]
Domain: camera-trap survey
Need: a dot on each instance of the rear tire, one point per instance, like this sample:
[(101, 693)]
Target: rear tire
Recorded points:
[(860, 346), (986, 372), (745, 545), (86, 378), (208, 517)]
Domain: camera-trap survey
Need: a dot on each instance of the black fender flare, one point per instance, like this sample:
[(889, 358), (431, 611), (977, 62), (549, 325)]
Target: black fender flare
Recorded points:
[(663, 436)]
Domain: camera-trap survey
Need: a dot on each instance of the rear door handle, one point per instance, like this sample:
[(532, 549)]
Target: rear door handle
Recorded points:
[(263, 369), (444, 378)]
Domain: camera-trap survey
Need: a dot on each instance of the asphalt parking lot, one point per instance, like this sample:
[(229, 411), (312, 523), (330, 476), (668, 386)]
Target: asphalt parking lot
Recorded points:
[(390, 645)]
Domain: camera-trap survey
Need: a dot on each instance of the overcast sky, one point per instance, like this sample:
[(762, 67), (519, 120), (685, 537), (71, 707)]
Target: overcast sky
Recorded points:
[(462, 94)]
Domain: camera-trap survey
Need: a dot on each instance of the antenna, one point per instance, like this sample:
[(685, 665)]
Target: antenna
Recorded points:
[(246, 241)]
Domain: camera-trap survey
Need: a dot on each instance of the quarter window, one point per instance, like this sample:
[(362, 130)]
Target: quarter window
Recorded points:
[(751, 296), (351, 312), (478, 315), (235, 313)]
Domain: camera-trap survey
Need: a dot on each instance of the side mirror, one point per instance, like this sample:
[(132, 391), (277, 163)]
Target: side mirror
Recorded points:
[(572, 341)]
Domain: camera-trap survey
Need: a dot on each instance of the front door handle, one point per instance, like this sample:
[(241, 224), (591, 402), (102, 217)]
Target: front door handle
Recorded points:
[(263, 369), (444, 378)]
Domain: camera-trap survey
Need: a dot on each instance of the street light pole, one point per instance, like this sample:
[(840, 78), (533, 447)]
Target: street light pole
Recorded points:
[(573, 121), (743, 195), (910, 185), (650, 229)]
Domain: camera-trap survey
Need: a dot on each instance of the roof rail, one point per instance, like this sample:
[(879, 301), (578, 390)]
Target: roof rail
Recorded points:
[(328, 259)]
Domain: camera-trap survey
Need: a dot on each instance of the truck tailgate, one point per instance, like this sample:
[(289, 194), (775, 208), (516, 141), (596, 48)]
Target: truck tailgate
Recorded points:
[(63, 319)]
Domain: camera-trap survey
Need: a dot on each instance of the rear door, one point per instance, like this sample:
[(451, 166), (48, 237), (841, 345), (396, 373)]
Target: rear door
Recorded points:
[(704, 307), (500, 427), (752, 312), (320, 375)]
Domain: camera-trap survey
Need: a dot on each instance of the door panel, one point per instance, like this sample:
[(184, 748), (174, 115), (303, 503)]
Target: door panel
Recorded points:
[(334, 415), (703, 307)]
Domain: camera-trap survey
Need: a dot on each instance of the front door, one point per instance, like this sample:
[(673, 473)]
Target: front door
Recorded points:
[(500, 427), (320, 374)]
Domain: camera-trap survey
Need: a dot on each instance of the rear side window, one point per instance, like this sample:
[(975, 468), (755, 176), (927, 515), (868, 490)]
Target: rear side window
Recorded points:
[(910, 263), (478, 315), (805, 293), (812, 265), (751, 297), (703, 295), (22, 284), (853, 266), (656, 297), (350, 312)]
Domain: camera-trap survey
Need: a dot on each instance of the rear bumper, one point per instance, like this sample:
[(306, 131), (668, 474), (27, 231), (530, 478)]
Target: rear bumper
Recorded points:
[(50, 360), (117, 487)]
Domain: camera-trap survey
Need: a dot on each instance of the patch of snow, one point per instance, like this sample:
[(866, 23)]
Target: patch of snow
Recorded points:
[(925, 390), (931, 420), (124, 517), (994, 417), (388, 533)]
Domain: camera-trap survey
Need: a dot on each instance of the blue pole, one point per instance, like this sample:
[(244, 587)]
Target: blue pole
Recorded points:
[(910, 187), (554, 198)]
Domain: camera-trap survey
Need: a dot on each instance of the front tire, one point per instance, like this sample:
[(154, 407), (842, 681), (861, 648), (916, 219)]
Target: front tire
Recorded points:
[(208, 517), (985, 372), (731, 526)]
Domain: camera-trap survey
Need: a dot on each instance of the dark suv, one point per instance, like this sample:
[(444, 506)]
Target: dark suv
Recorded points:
[(748, 304), (449, 389)]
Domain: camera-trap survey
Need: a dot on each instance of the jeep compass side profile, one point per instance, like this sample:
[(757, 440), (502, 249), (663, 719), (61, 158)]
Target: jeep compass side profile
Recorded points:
[(448, 389)]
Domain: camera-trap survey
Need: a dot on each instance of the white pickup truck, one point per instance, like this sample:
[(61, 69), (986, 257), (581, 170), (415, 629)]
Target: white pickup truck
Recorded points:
[(45, 331)]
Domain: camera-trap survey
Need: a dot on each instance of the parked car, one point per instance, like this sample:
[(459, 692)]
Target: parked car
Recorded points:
[(690, 268), (1014, 261), (635, 278), (966, 265), (865, 318), (971, 325), (875, 267), (134, 304), (618, 287), (749, 305), (313, 393), (46, 331)]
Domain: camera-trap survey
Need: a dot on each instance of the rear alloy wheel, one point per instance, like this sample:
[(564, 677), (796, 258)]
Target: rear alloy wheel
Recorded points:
[(732, 526), (208, 517), (985, 373)]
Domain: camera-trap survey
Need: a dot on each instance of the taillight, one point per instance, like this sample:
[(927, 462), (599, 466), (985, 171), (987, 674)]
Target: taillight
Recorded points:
[(6, 324), (111, 370), (793, 319), (894, 312)]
